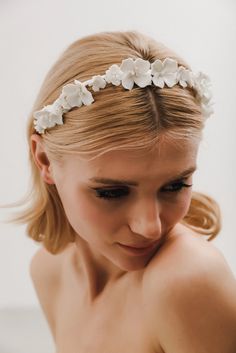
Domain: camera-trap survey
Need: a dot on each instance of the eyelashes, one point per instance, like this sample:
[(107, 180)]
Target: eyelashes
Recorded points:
[(118, 193)]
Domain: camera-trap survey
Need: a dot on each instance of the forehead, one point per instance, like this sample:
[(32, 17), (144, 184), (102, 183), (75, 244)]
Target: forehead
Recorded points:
[(165, 159)]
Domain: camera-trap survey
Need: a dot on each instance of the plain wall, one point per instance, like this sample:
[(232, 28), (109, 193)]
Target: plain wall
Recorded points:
[(33, 34)]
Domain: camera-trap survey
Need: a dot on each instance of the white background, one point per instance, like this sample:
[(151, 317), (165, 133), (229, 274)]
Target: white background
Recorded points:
[(33, 34)]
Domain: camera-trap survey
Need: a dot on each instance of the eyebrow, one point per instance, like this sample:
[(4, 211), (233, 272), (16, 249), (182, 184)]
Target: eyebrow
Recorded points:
[(109, 181)]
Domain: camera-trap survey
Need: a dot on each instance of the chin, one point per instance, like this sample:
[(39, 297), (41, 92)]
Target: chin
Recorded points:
[(136, 263)]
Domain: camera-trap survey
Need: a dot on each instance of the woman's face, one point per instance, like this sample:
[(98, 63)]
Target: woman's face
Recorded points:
[(127, 197)]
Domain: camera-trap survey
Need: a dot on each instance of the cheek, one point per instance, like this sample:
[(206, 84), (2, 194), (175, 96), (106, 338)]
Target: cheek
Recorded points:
[(184, 206), (86, 215), (174, 211)]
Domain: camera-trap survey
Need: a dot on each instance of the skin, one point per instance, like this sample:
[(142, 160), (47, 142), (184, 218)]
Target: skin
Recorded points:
[(146, 213)]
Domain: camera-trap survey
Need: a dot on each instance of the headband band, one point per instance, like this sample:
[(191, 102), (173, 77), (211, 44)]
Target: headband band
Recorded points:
[(131, 71)]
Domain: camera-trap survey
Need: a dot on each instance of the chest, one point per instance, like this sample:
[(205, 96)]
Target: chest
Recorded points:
[(117, 323)]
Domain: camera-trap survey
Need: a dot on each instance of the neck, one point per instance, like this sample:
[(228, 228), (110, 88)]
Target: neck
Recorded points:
[(97, 272)]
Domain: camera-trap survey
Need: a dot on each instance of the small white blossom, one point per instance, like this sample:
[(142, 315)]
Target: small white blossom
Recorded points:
[(78, 94), (74, 95), (207, 109), (202, 85), (137, 71), (184, 77), (48, 117), (164, 72), (114, 75), (97, 82)]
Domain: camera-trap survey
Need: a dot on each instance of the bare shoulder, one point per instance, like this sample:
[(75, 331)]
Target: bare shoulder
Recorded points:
[(191, 292), (45, 272), (41, 262), (45, 268), (184, 250), (45, 262)]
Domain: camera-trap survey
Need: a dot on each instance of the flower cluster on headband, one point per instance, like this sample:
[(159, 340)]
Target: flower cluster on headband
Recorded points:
[(131, 71)]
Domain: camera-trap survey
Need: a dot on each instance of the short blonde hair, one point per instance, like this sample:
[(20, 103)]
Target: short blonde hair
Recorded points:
[(119, 119)]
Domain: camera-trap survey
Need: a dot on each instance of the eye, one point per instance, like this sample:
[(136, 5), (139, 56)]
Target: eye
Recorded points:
[(177, 187), (111, 193), (118, 193)]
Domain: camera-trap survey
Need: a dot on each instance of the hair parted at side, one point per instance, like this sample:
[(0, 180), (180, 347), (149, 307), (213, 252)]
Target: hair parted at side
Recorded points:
[(120, 119)]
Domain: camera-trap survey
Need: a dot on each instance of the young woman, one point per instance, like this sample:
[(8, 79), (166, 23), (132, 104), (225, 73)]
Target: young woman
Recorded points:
[(124, 265)]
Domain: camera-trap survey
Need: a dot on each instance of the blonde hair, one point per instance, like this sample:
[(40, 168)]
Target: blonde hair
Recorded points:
[(118, 119)]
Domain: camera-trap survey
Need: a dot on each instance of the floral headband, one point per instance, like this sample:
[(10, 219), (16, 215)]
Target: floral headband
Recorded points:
[(140, 72)]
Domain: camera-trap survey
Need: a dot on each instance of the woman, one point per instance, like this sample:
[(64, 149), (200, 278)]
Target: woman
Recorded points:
[(124, 265)]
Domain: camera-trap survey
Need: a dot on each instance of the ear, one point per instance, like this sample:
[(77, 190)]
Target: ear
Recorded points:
[(41, 159)]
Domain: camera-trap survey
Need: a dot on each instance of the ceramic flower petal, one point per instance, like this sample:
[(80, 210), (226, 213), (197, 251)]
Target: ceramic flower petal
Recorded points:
[(143, 80), (127, 65), (141, 66), (74, 100), (170, 65), (38, 128), (170, 79), (156, 67), (63, 102), (44, 120), (39, 113), (158, 81), (70, 96), (97, 83), (87, 98), (58, 120), (114, 75), (83, 93), (128, 82), (182, 79), (68, 89), (186, 76), (207, 110)]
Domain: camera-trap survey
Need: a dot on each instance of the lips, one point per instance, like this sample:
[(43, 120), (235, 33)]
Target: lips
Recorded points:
[(137, 251), (139, 246)]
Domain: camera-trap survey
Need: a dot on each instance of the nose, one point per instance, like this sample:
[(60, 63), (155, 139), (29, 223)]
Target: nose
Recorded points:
[(145, 219)]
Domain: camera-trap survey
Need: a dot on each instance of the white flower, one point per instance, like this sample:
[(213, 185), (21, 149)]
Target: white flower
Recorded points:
[(137, 71), (114, 75), (74, 95), (48, 117), (184, 77), (164, 72), (207, 109), (97, 82), (202, 85)]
